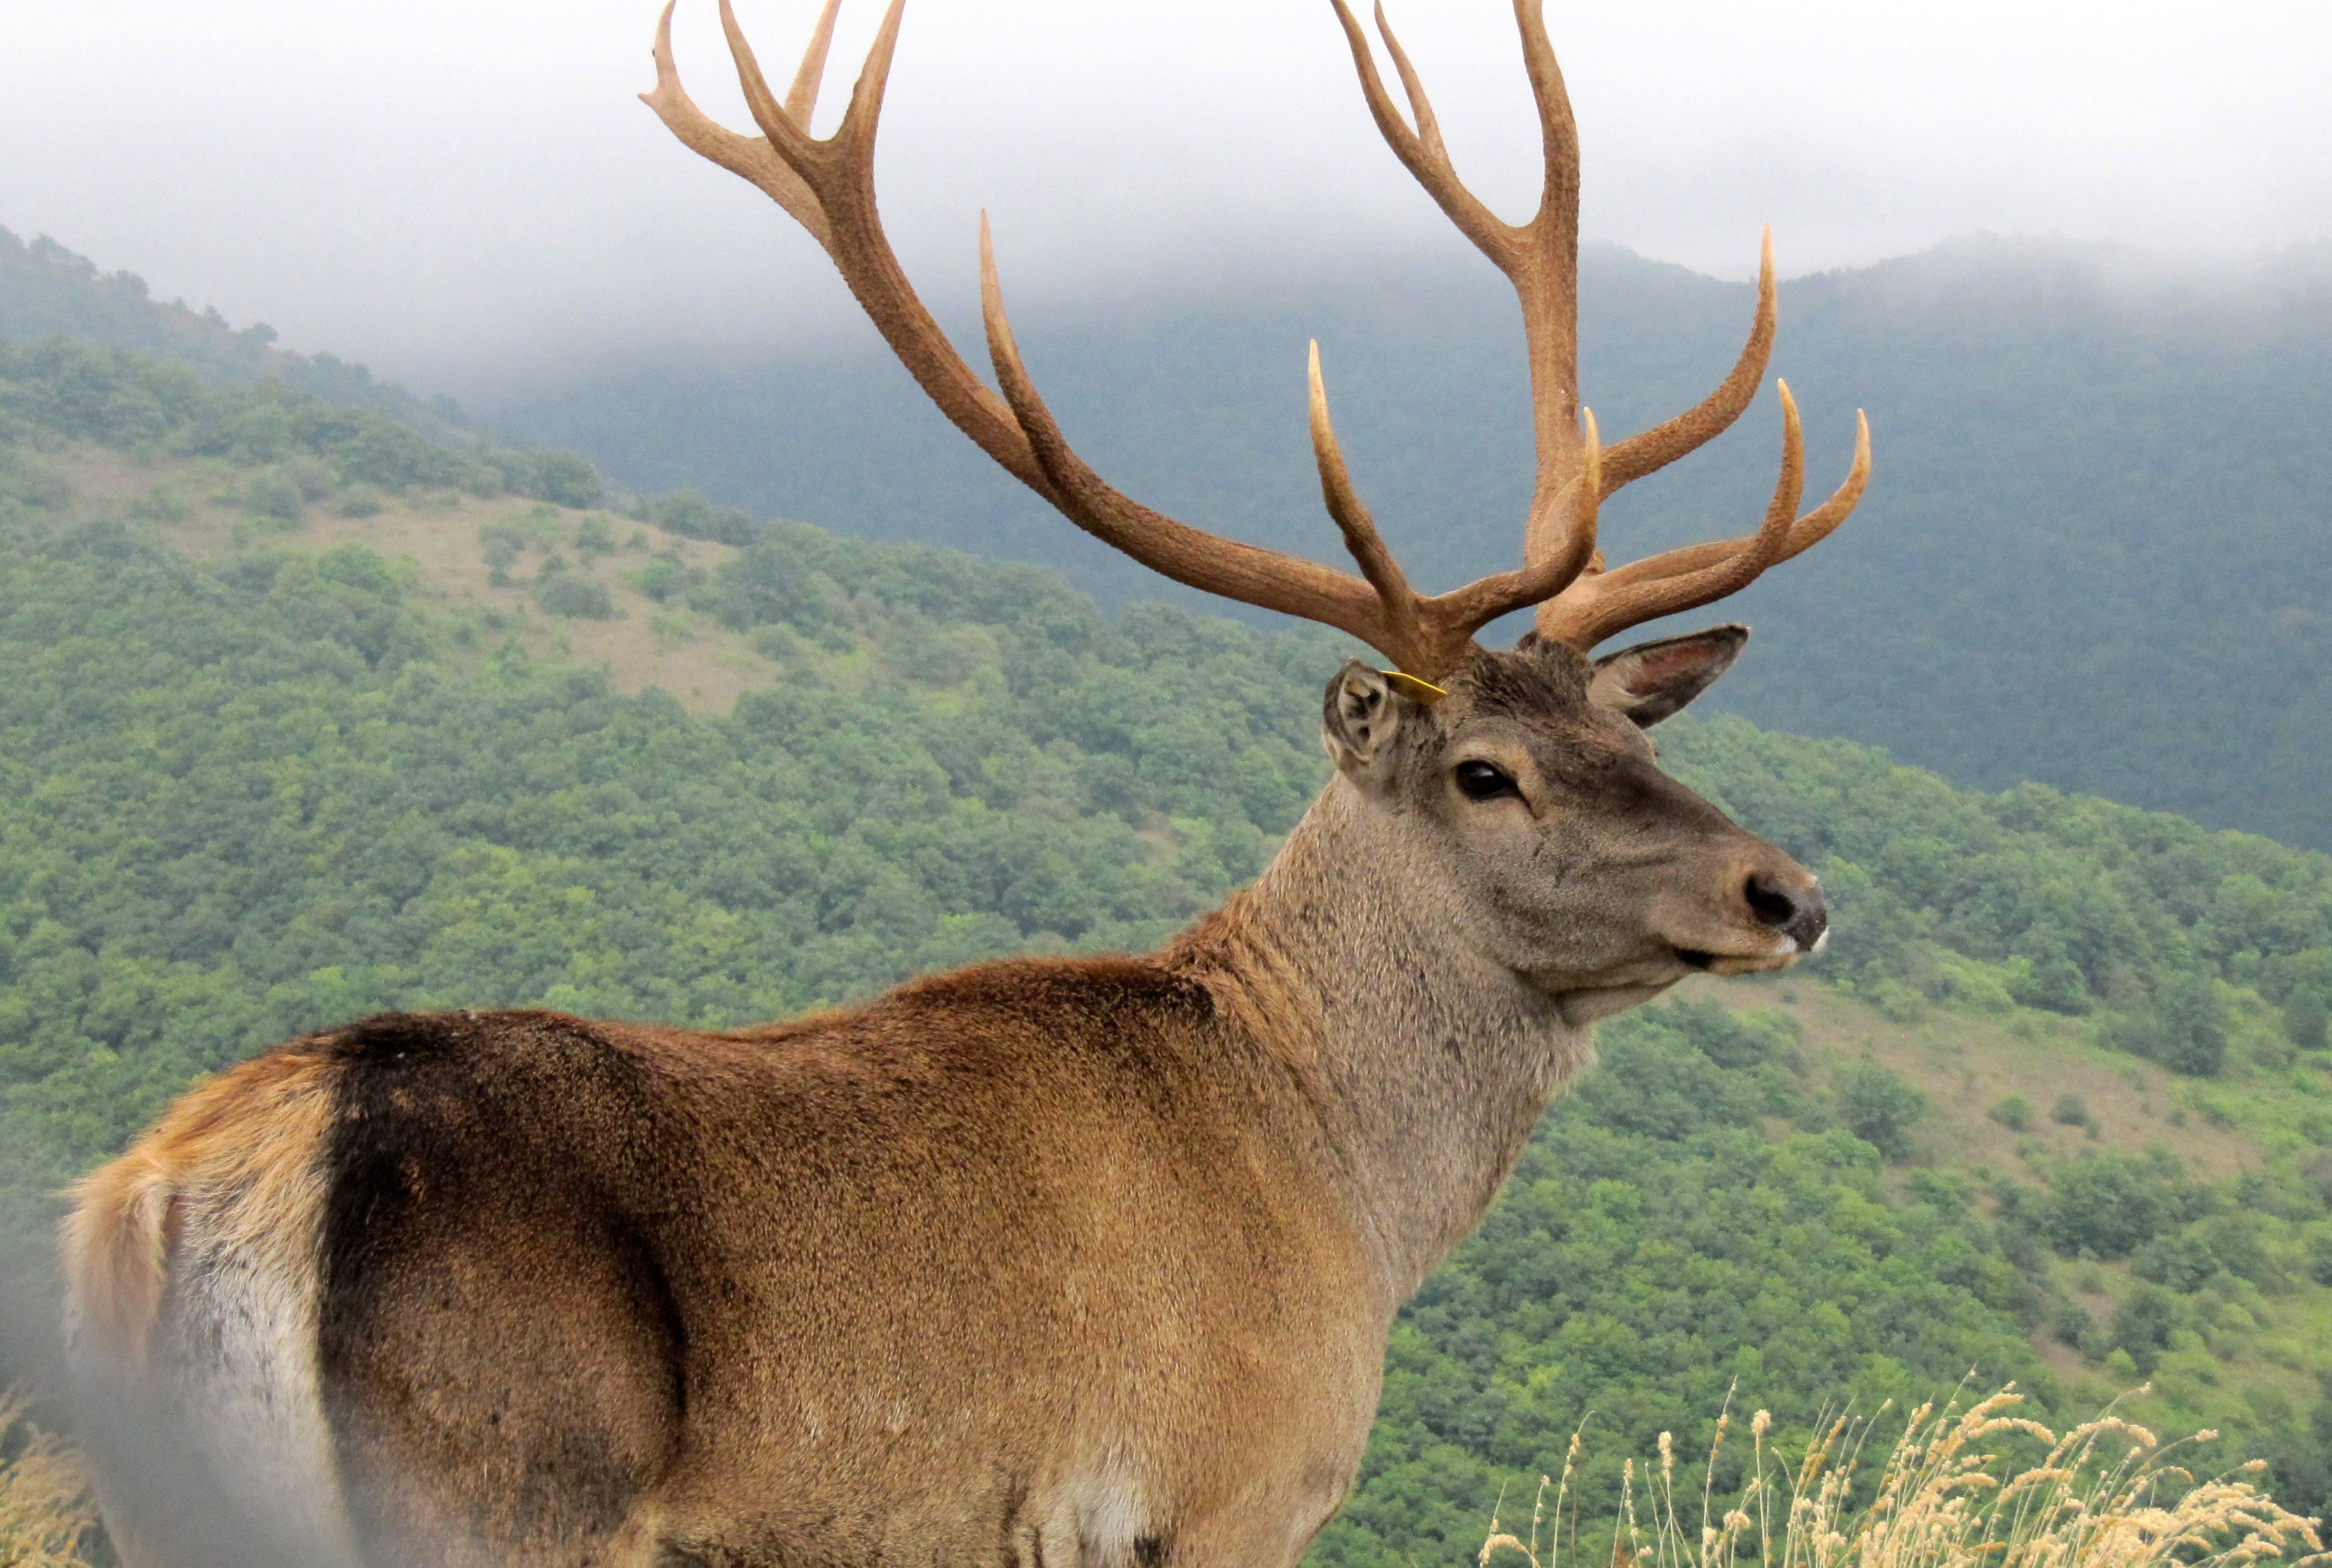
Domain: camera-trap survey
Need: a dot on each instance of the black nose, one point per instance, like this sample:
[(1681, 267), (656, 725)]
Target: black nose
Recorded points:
[(1797, 912)]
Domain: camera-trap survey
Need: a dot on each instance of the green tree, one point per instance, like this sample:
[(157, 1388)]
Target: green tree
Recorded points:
[(1879, 1107)]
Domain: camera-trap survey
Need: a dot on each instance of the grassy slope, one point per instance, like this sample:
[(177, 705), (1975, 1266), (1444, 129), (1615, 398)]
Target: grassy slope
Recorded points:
[(1967, 1060), (439, 539)]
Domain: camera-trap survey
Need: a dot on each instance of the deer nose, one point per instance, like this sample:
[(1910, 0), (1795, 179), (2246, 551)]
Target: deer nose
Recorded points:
[(1797, 912)]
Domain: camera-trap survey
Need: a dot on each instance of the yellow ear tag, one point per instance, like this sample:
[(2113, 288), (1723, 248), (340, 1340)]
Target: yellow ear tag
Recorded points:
[(1414, 689)]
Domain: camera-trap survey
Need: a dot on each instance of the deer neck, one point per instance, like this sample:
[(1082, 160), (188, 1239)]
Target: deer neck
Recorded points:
[(1426, 1063)]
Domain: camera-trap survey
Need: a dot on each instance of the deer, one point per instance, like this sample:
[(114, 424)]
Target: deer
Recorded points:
[(1048, 1262)]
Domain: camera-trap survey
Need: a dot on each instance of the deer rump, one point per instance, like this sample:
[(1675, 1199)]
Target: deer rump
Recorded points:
[(586, 1293)]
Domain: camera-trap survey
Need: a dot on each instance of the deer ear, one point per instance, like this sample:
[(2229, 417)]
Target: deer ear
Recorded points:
[(1652, 680), (1359, 716)]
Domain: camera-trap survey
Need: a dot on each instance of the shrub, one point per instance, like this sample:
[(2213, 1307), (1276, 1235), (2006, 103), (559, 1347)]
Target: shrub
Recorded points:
[(560, 477), (575, 596), (2194, 1024), (2072, 1326), (594, 537), (2069, 1111), (2183, 1262), (2014, 1113), (2056, 984), (666, 580), (2142, 1324), (687, 514), (2307, 1019), (500, 544), (1878, 1107), (2235, 1241), (166, 502), (273, 493), (2185, 1027), (361, 499), (2109, 1205), (313, 476)]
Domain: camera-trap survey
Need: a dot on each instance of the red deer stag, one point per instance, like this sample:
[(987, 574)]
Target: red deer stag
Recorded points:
[(1044, 1262)]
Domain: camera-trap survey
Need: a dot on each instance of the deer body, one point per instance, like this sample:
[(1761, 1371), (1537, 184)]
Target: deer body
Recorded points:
[(1068, 1261), (1041, 1263)]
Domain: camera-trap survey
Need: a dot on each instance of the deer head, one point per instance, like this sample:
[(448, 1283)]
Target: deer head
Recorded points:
[(1526, 824), (1528, 796)]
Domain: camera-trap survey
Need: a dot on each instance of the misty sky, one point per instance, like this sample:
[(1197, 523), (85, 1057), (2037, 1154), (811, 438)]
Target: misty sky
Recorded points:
[(462, 192)]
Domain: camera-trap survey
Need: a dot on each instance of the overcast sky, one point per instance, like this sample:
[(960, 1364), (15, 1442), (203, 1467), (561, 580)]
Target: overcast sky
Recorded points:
[(457, 189)]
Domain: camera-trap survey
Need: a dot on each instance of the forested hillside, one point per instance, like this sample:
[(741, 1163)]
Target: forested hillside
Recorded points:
[(2097, 554), (48, 290), (2098, 551), (2058, 1106)]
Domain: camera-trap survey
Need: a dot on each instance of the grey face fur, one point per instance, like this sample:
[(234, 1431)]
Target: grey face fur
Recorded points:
[(1531, 796)]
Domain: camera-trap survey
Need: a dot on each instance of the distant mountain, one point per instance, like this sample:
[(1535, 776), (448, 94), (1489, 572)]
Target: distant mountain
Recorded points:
[(2098, 551), (48, 290)]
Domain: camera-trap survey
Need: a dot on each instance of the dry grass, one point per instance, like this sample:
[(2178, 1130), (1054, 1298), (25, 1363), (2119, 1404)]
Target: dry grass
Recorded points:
[(46, 1516), (1980, 1488)]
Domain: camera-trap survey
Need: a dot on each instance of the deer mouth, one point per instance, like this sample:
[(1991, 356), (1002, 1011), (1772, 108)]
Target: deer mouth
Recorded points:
[(1701, 960)]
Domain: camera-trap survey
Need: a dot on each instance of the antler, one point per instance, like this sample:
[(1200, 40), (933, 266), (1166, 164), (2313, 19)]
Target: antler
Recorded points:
[(827, 185), (1541, 259)]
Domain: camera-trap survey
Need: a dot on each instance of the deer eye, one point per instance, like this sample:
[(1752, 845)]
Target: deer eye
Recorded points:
[(1483, 781)]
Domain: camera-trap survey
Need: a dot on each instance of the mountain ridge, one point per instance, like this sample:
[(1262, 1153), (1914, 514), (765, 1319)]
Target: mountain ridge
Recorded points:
[(2097, 549)]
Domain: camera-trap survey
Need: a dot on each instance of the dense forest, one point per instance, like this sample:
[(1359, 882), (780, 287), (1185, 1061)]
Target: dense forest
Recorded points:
[(2095, 552), (246, 795)]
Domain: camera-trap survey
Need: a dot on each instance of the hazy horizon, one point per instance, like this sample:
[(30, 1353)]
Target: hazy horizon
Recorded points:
[(447, 193)]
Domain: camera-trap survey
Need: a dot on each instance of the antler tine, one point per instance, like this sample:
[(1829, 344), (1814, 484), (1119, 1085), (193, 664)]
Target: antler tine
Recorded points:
[(750, 157), (827, 187), (786, 134), (1540, 258), (1808, 532), (1422, 155), (1421, 109), (801, 99), (1656, 448), (1553, 530), (856, 133), (1352, 514), (1558, 128), (1603, 603)]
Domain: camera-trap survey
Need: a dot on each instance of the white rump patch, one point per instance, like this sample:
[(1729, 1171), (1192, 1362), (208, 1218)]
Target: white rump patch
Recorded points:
[(242, 1348)]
